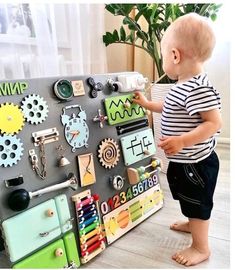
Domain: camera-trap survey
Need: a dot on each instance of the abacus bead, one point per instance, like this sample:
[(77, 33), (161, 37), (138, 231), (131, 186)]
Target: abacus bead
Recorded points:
[(141, 169), (142, 177), (154, 163), (147, 175)]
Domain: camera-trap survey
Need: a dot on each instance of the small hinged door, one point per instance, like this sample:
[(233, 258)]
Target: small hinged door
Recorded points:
[(31, 229), (52, 256)]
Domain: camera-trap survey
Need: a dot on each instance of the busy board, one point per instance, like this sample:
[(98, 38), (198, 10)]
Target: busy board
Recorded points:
[(77, 156)]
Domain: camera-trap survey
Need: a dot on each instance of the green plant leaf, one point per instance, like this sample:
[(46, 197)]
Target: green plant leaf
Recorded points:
[(142, 44), (119, 9), (204, 10), (187, 8), (115, 9), (127, 8), (156, 13), (150, 46), (213, 16), (158, 17), (108, 39), (141, 7), (156, 26), (110, 8), (132, 25), (115, 35), (147, 14), (132, 36), (128, 37), (142, 35), (140, 13), (125, 20), (122, 33)]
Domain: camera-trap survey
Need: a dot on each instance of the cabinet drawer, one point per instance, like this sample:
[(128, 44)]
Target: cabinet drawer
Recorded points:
[(31, 229), (52, 256), (60, 254)]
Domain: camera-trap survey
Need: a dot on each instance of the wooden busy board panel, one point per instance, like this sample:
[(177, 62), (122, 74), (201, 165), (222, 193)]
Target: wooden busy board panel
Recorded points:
[(121, 109)]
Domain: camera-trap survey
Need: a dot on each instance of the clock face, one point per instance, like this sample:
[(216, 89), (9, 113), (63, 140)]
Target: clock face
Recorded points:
[(77, 133)]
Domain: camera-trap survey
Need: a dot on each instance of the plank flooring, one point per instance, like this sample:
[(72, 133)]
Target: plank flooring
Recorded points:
[(151, 244)]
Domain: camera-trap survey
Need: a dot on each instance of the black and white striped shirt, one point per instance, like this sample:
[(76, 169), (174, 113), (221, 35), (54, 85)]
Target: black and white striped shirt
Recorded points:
[(180, 114)]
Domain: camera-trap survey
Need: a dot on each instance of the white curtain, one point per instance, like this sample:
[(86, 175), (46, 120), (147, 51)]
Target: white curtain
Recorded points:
[(42, 40)]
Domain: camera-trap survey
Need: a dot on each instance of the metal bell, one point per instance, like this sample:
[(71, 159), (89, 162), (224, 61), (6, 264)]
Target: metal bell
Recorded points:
[(63, 161)]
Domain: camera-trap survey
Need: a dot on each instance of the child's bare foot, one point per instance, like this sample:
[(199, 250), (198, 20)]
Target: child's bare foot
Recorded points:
[(182, 226), (191, 256)]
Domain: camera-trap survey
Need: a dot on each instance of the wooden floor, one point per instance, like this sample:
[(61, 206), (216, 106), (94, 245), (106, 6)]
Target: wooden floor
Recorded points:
[(151, 244)]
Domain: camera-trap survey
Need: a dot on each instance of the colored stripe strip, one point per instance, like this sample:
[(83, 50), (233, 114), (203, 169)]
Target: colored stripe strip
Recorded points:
[(89, 228), (88, 243), (85, 202), (92, 248), (87, 222), (86, 237), (86, 209)]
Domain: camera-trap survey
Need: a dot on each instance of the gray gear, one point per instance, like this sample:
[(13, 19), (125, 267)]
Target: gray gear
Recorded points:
[(11, 150), (35, 109)]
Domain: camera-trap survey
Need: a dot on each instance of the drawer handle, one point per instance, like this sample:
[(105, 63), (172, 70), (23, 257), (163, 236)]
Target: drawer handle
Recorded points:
[(50, 213), (59, 252), (68, 222)]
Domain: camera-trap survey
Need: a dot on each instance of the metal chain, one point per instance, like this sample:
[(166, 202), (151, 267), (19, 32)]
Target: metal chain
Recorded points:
[(42, 155)]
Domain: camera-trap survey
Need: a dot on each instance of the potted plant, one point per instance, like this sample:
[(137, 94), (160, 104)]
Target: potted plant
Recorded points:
[(157, 17), (147, 36)]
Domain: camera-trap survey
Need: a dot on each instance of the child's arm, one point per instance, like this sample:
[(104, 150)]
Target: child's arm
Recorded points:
[(153, 106), (212, 122)]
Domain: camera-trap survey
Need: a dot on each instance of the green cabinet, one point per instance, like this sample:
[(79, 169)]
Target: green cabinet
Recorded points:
[(60, 254), (31, 229), (52, 256), (36, 227)]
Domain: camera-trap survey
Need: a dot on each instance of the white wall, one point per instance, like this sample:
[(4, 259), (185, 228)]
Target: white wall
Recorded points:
[(218, 67)]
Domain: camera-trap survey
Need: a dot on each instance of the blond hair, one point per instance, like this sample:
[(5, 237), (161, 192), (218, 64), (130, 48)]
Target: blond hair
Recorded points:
[(193, 36)]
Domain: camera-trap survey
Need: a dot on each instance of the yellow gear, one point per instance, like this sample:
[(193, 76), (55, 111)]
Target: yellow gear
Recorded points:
[(11, 118)]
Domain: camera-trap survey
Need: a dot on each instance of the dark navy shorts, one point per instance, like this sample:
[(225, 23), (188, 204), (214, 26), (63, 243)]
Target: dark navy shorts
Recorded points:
[(193, 184)]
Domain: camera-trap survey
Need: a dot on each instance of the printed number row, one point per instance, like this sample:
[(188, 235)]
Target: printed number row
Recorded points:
[(131, 193)]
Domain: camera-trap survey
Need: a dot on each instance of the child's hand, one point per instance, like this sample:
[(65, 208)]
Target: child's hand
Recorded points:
[(139, 98), (171, 145)]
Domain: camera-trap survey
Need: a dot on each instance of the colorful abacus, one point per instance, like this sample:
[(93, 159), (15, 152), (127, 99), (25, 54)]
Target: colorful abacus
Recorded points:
[(139, 174), (88, 220)]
